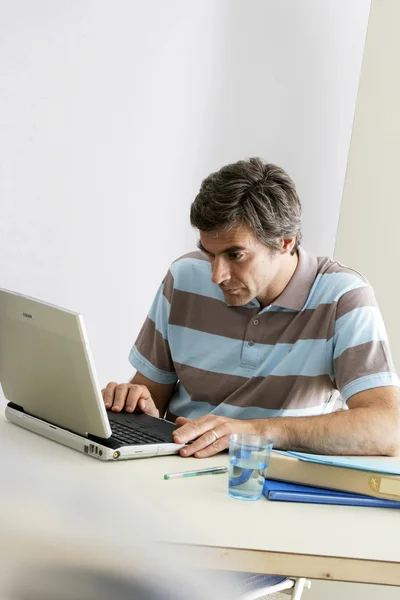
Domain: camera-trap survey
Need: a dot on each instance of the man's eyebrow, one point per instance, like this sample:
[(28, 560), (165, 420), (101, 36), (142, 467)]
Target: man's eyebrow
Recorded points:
[(226, 251)]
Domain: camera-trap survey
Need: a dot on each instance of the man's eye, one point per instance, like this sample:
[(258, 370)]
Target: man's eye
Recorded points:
[(236, 255)]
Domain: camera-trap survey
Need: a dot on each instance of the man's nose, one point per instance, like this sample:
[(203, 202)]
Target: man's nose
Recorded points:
[(220, 272)]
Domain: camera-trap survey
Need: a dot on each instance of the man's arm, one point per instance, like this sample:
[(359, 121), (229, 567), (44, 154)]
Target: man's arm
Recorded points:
[(371, 426)]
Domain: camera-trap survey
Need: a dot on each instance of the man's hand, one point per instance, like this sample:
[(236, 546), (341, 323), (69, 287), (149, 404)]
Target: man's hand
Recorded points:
[(211, 434), (131, 396)]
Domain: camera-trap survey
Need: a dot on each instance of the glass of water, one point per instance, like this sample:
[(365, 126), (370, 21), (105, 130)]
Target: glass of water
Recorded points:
[(248, 461)]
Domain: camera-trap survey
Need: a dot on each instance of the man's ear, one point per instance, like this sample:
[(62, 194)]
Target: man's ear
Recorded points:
[(287, 245)]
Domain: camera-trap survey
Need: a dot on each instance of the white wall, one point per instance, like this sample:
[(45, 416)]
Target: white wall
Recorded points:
[(111, 114)]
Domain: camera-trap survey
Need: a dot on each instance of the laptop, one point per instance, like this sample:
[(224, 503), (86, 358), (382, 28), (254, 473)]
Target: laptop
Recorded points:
[(49, 379)]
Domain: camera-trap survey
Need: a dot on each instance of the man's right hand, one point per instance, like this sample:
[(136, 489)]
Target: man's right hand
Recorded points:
[(116, 396)]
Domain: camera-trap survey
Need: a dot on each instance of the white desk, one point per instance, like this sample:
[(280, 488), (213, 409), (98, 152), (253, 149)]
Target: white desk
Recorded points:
[(54, 486)]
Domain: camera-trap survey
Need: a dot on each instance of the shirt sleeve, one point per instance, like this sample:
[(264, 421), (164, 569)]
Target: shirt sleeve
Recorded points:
[(362, 358), (151, 353)]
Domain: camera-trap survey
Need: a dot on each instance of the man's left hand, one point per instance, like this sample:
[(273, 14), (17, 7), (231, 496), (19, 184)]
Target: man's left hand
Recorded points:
[(211, 434)]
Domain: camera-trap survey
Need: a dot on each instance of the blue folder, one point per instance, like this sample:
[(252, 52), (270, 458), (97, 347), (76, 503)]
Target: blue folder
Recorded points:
[(291, 492)]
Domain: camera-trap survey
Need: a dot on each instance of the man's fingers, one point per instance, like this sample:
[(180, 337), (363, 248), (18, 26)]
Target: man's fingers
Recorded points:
[(194, 429), (202, 449), (146, 403), (215, 448), (210, 438), (182, 420), (147, 406), (120, 394), (134, 395), (131, 396), (108, 394)]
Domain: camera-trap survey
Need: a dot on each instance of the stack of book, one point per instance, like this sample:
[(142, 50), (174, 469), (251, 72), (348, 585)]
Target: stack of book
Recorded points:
[(355, 481)]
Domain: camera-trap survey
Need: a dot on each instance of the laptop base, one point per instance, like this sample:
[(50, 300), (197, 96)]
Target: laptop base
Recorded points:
[(92, 446)]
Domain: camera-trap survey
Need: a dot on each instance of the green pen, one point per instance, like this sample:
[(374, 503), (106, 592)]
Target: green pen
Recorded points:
[(209, 471)]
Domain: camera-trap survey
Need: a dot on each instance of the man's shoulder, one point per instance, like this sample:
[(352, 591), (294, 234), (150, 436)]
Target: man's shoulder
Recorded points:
[(191, 272), (187, 259), (335, 280), (330, 266)]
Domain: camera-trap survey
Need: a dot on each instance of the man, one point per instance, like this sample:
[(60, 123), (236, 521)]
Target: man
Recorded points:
[(253, 334)]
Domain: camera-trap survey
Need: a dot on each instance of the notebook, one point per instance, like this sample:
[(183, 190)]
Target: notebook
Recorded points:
[(291, 492)]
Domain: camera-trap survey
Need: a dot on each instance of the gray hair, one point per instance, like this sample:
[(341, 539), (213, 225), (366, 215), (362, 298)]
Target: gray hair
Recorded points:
[(253, 193)]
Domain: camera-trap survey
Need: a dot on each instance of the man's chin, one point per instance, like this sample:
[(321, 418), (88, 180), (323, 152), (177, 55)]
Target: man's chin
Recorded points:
[(239, 298)]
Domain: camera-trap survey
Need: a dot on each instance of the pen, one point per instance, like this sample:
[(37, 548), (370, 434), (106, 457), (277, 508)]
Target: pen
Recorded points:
[(209, 471)]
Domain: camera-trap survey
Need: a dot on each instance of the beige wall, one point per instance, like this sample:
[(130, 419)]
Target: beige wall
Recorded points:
[(368, 236)]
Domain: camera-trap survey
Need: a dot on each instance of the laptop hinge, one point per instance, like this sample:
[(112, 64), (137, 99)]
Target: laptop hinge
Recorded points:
[(17, 408)]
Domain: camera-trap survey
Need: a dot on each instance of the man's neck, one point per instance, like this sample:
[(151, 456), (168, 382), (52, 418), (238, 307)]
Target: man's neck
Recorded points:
[(281, 280)]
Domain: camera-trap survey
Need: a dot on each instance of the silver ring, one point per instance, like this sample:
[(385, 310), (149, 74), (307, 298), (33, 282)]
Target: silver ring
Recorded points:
[(216, 435)]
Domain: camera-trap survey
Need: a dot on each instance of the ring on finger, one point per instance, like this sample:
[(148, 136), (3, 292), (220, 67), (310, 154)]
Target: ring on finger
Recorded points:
[(215, 434)]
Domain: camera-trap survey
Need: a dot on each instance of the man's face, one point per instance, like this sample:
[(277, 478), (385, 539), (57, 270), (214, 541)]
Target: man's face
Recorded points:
[(242, 266)]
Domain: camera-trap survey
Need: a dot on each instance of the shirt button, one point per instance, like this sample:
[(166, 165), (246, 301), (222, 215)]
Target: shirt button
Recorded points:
[(251, 343), (256, 322)]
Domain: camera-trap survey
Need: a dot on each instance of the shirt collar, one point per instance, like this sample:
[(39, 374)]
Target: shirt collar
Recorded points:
[(295, 294)]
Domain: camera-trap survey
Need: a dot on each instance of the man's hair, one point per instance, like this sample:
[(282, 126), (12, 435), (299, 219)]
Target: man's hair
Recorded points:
[(253, 193)]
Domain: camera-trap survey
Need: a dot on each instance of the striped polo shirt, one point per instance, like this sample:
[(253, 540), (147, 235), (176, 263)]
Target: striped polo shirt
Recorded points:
[(323, 338)]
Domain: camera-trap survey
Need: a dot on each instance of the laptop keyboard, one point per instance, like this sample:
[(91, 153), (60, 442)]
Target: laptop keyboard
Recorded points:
[(127, 435)]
